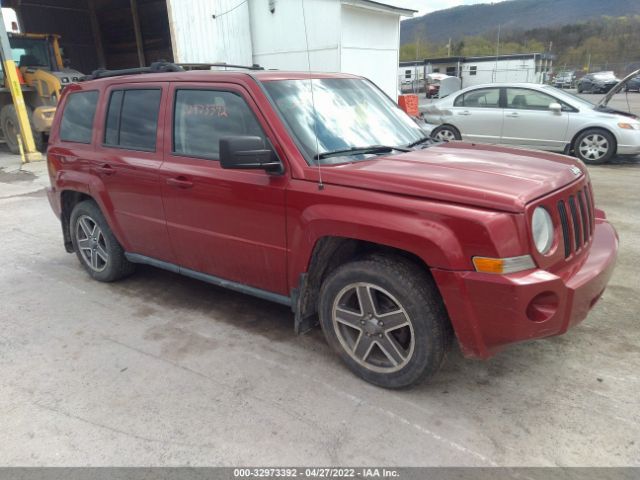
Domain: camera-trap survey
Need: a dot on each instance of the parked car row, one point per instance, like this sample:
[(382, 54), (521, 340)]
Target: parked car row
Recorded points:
[(535, 116)]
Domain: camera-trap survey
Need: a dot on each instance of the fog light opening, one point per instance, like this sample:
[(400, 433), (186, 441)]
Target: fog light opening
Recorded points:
[(542, 307)]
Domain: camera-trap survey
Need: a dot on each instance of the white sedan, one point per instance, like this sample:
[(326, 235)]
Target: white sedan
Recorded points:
[(535, 116)]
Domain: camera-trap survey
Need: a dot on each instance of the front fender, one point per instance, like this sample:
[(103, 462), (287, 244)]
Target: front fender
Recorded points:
[(442, 235), (420, 236)]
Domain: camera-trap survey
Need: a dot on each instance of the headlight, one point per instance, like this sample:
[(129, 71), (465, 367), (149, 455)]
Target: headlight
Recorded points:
[(542, 228), (629, 126)]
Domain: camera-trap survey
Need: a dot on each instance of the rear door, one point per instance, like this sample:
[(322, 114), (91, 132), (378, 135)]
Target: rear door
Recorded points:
[(128, 158), (225, 223), (478, 115), (529, 122)]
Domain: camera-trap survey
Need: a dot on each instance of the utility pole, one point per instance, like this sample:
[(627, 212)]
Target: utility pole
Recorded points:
[(449, 48), (495, 72), (415, 67), (13, 82)]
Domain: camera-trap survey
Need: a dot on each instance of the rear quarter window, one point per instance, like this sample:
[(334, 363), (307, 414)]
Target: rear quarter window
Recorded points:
[(77, 117)]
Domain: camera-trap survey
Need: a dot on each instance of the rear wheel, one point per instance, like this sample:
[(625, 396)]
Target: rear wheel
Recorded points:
[(595, 146), (95, 245), (385, 319), (11, 129), (446, 133)]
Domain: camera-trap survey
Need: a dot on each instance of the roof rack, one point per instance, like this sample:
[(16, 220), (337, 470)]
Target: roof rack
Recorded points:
[(155, 67), (162, 66), (207, 66)]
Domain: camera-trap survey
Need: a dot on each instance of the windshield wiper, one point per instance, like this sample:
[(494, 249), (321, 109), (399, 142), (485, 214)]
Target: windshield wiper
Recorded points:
[(418, 142), (360, 150)]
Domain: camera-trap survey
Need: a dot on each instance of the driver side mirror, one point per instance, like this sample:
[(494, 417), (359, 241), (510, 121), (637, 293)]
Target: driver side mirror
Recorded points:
[(248, 153), (555, 107)]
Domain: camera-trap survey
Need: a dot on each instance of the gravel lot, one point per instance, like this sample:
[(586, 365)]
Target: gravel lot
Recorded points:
[(164, 370)]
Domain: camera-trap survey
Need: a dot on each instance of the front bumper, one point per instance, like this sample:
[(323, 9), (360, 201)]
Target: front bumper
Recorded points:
[(628, 142), (490, 311)]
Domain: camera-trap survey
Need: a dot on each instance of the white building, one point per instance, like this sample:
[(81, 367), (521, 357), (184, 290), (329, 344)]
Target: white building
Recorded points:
[(526, 67), (352, 36)]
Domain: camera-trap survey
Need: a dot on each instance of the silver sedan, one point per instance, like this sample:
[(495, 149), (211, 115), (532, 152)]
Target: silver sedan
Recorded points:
[(535, 116)]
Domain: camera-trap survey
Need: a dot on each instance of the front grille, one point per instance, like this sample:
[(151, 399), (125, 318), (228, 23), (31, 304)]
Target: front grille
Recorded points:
[(576, 219)]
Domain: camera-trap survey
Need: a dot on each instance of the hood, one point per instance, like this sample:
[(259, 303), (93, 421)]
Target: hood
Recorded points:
[(485, 176), (607, 98)]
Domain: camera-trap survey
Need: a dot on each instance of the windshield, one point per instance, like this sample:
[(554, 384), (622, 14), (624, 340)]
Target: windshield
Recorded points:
[(30, 52), (349, 113)]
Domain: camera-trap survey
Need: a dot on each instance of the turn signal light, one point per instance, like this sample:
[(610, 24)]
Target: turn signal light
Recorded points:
[(503, 265)]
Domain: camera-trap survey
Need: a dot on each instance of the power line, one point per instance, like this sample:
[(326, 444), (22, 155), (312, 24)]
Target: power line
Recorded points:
[(230, 10)]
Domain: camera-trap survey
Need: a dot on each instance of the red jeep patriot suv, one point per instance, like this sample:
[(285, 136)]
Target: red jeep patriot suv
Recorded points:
[(316, 191)]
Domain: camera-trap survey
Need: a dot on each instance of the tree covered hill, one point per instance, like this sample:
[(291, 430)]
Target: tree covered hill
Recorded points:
[(472, 20)]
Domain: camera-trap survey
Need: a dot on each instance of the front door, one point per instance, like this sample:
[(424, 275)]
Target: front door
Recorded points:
[(225, 223), (529, 122)]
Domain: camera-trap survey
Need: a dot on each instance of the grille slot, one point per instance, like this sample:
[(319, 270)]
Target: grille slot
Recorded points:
[(576, 222), (564, 223), (590, 206), (585, 221)]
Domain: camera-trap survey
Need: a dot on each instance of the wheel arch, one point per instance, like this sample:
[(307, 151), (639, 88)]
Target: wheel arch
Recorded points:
[(450, 125), (329, 252), (68, 200), (572, 145), (70, 197)]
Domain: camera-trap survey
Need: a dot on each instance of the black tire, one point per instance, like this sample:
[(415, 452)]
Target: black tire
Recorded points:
[(10, 129), (579, 88), (599, 138), (425, 317), (111, 264), (445, 133)]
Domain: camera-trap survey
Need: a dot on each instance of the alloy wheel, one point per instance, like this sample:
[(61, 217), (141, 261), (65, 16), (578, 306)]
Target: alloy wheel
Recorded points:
[(91, 243), (594, 146), (373, 327), (445, 135)]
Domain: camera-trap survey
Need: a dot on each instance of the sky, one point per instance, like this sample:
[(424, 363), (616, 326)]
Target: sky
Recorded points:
[(428, 6)]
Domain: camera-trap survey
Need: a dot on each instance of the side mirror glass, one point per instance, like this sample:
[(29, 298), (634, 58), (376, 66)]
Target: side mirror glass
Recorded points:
[(248, 153), (555, 107)]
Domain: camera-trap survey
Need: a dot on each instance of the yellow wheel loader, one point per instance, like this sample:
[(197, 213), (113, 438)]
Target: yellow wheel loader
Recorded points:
[(43, 74)]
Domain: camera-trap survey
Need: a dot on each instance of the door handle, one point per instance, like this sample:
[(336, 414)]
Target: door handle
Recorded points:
[(465, 113), (179, 182), (106, 169)]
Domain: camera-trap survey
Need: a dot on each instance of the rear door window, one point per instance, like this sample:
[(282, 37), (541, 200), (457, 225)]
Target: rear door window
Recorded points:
[(481, 98), (132, 119), (77, 119), (202, 117)]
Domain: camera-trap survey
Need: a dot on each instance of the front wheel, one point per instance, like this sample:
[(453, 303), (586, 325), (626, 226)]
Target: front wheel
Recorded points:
[(97, 248), (595, 146), (385, 319), (446, 133)]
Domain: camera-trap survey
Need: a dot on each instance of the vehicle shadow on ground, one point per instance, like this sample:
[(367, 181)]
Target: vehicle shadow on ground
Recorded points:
[(186, 298)]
